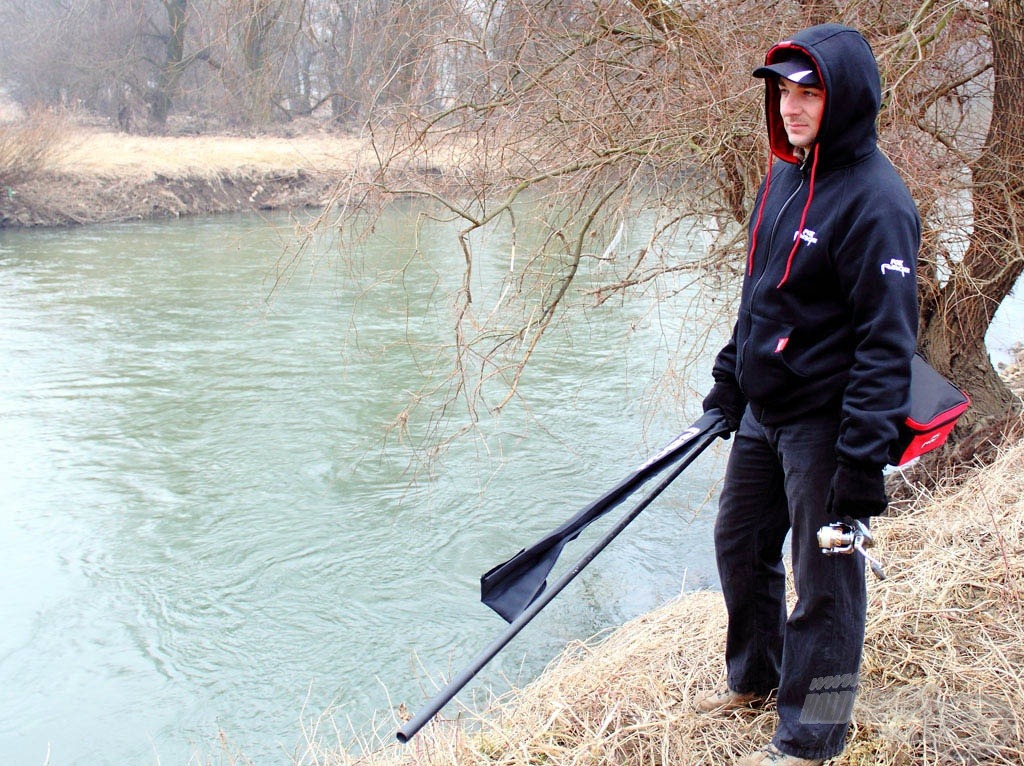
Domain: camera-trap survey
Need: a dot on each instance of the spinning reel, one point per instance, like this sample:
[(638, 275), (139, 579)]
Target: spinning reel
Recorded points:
[(847, 537)]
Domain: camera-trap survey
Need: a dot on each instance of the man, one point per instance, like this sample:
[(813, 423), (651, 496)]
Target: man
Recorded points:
[(814, 381)]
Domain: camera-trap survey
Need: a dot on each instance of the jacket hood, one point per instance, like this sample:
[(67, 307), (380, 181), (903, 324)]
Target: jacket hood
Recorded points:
[(853, 94)]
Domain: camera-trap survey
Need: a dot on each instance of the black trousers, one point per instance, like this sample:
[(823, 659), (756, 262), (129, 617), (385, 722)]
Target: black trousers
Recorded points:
[(777, 481)]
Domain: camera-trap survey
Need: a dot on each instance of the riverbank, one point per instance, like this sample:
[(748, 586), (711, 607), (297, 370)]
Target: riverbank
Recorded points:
[(940, 684), (98, 176)]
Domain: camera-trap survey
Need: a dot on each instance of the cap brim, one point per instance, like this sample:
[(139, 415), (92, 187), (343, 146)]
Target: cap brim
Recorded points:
[(797, 71)]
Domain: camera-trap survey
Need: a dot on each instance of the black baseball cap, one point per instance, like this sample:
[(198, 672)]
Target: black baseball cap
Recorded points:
[(796, 67)]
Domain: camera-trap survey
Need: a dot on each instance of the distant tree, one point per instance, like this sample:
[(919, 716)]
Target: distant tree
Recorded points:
[(69, 54), (171, 64), (336, 36), (245, 62), (119, 59), (257, 38)]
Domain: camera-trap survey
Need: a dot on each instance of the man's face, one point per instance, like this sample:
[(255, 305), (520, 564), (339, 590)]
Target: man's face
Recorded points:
[(801, 107)]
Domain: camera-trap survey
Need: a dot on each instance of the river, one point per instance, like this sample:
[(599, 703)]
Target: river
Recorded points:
[(210, 541), (207, 532)]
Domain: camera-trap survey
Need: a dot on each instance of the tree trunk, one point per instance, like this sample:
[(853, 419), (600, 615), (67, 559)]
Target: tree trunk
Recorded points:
[(954, 336), (162, 96)]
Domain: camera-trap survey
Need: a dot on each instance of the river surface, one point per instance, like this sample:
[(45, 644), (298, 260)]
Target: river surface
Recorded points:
[(211, 543), (206, 530)]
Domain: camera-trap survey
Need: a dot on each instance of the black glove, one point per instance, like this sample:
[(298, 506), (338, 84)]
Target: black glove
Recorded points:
[(857, 490), (728, 398)]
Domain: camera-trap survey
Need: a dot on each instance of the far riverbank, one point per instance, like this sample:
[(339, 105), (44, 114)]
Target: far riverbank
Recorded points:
[(99, 176)]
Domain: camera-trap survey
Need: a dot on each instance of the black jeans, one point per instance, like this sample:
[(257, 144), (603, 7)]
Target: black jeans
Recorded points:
[(777, 480)]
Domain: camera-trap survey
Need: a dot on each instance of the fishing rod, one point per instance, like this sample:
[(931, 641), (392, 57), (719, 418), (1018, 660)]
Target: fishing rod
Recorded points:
[(509, 587), (684, 449)]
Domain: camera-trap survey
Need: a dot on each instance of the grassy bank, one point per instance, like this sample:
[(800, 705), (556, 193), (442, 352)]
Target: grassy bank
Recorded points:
[(941, 681), (82, 175), (57, 171)]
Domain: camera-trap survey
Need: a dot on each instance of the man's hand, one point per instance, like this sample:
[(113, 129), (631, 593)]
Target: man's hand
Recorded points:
[(728, 398), (857, 491)]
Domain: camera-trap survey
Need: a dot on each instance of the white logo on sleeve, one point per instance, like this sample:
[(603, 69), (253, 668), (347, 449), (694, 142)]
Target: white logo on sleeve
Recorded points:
[(895, 264)]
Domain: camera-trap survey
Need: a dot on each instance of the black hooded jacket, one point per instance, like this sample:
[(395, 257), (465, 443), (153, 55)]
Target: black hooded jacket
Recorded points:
[(828, 312)]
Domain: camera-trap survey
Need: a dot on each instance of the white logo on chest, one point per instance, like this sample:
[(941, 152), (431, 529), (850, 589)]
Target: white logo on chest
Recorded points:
[(808, 236)]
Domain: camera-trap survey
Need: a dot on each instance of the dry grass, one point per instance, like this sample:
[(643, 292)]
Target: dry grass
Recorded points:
[(941, 681), (120, 156), (102, 154), (946, 632)]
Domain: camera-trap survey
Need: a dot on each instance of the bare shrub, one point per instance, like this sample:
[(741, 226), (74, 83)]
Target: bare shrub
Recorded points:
[(28, 147)]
